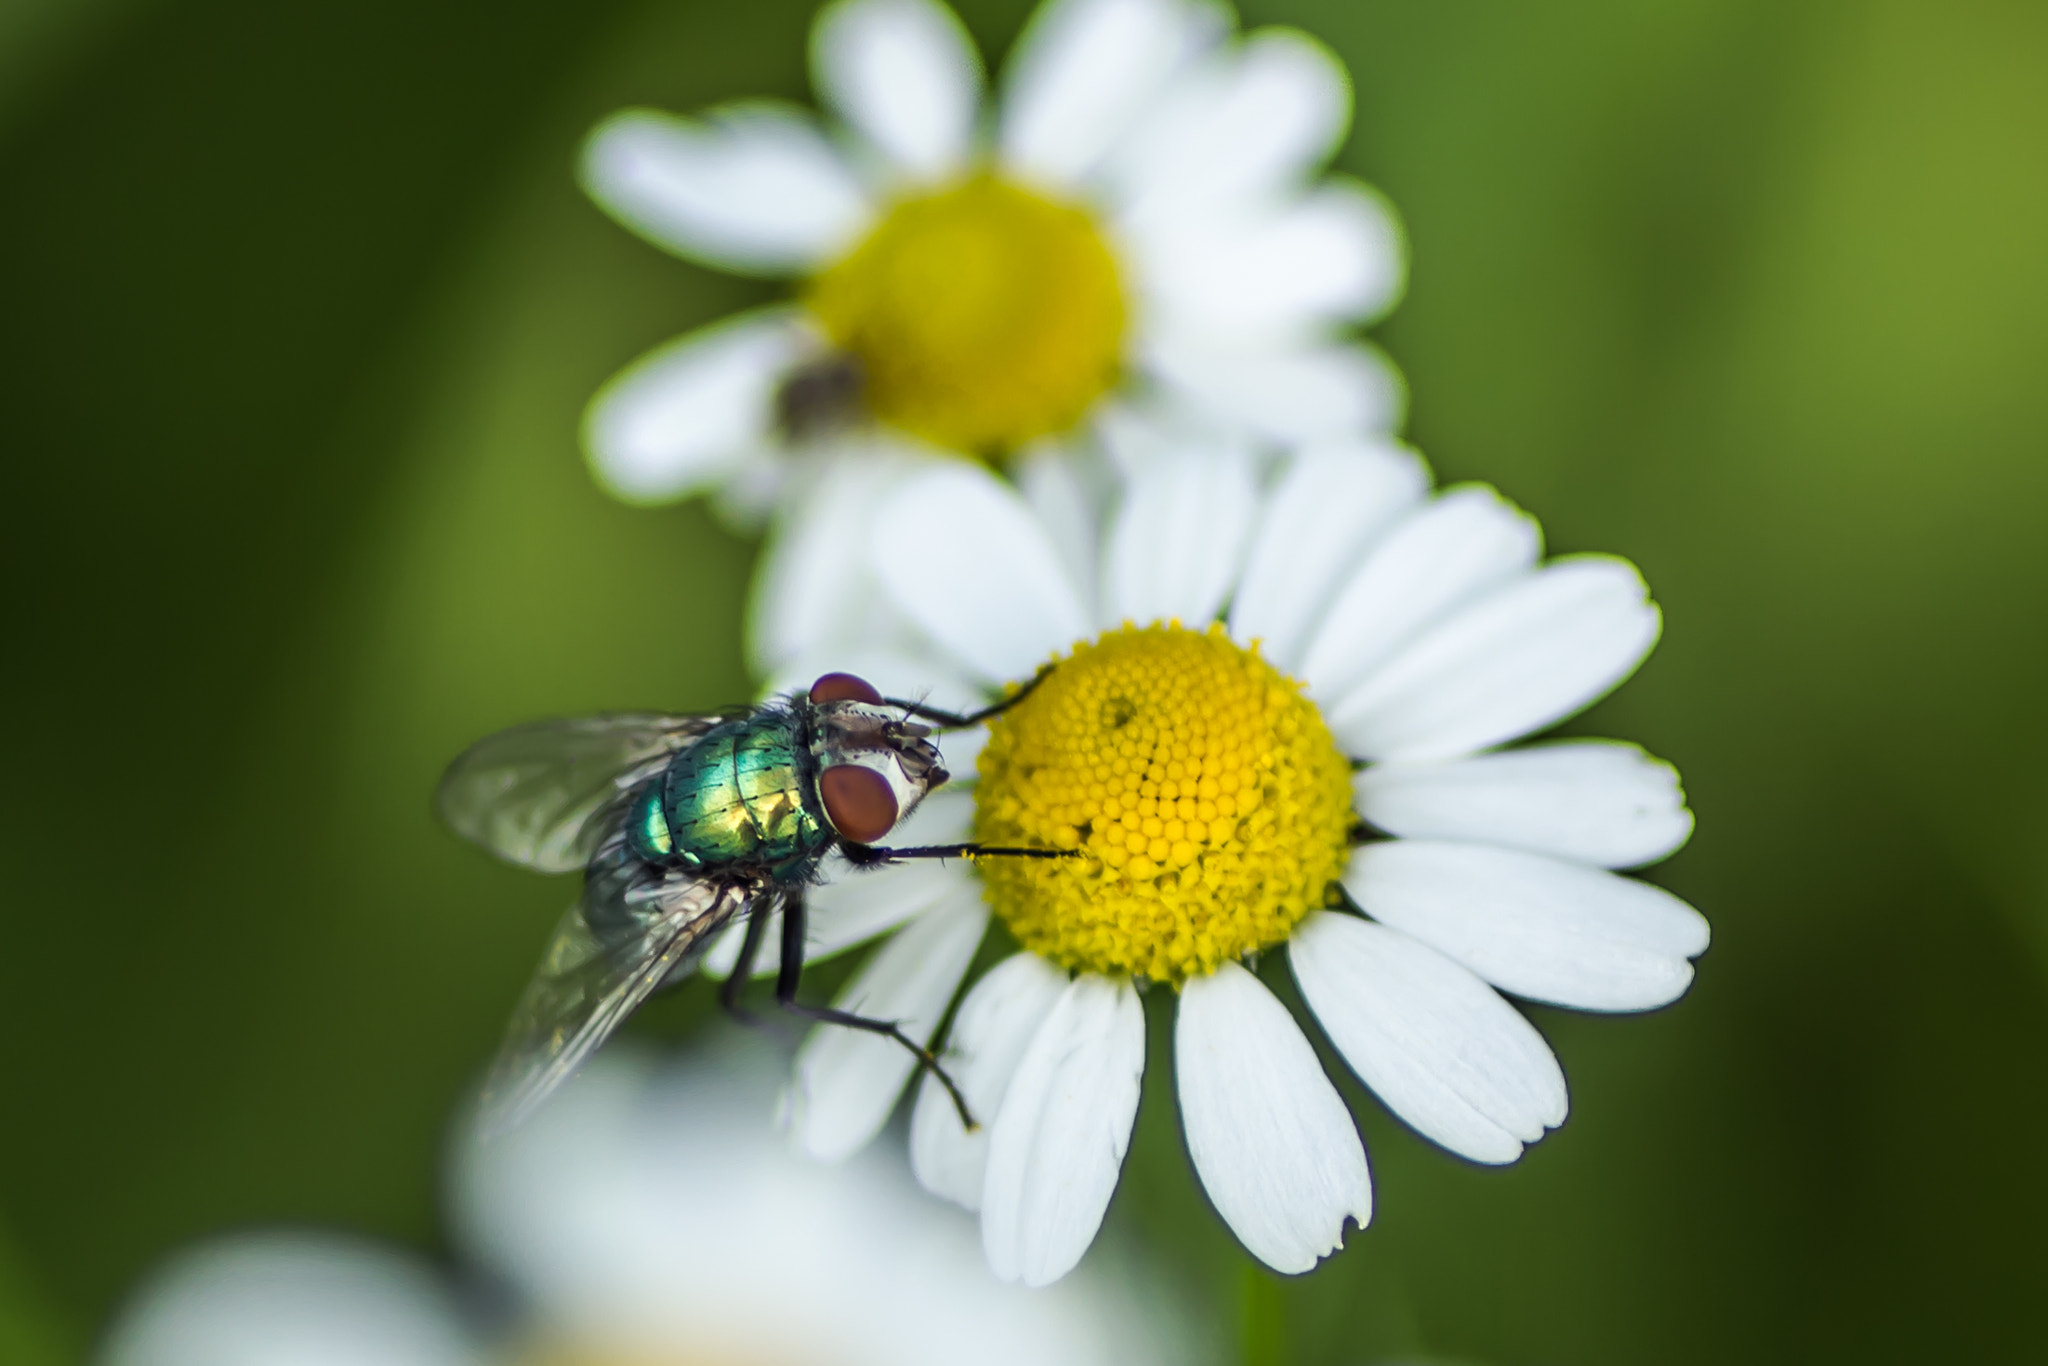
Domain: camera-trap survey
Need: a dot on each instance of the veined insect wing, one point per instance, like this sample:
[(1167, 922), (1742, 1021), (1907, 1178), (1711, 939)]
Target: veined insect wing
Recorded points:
[(631, 932), (529, 794)]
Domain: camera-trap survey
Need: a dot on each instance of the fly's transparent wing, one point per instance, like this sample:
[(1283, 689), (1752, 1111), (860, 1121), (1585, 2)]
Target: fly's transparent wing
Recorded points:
[(634, 928), (529, 794)]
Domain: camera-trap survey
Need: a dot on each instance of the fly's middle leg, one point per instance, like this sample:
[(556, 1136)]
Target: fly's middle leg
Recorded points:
[(791, 973), (735, 986)]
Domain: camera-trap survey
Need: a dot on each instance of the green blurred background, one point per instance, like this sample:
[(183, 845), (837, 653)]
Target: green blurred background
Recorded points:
[(298, 311)]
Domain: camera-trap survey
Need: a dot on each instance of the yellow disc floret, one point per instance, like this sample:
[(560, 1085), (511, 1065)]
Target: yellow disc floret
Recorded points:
[(982, 315), (1208, 804)]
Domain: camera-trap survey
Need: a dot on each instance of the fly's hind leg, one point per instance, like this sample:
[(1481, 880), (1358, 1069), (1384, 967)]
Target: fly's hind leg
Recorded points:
[(791, 972)]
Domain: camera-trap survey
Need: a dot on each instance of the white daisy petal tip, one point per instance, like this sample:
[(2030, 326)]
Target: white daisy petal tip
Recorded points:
[(1056, 1147), (1271, 1139), (1539, 927), (751, 187), (1538, 649), (1083, 70), (1605, 803), (1330, 257), (1321, 83), (1333, 504), (1446, 552), (904, 73), (685, 417), (1436, 1044), (1243, 126), (1375, 219)]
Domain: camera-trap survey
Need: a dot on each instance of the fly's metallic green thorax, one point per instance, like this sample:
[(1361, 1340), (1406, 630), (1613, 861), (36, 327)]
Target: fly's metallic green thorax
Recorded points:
[(739, 797)]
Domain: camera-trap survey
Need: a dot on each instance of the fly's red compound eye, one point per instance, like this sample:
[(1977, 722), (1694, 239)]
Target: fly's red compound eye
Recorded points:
[(843, 688), (859, 801)]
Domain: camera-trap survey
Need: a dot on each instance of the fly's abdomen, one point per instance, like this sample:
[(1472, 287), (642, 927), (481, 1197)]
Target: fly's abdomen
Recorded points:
[(735, 797)]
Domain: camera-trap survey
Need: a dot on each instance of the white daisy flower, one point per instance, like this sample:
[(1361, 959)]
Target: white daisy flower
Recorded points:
[(1138, 222), (1215, 806), (642, 1221)]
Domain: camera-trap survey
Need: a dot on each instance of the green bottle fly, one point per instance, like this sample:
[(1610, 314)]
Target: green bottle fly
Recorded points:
[(683, 825)]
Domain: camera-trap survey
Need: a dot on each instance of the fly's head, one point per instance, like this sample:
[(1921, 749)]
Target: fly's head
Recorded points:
[(874, 766)]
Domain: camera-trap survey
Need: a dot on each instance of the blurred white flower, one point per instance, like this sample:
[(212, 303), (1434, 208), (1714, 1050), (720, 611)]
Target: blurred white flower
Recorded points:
[(1134, 233), (642, 1221), (1212, 803)]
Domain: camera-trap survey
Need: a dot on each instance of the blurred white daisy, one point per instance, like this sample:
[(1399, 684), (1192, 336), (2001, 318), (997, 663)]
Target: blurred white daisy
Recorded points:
[(640, 1222), (1216, 805), (1137, 223)]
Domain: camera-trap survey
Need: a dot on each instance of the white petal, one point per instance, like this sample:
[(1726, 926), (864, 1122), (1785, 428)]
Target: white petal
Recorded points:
[(290, 1299), (1439, 558), (814, 592), (1333, 256), (1067, 492), (905, 74), (961, 555), (1270, 1138), (1444, 1052), (1237, 129), (1333, 503), (1139, 430), (1178, 539), (1536, 926), (685, 415), (995, 1024), (847, 1080), (1591, 801), (1057, 1144), (859, 904), (750, 187), (1521, 658), (1083, 72), (753, 489), (1314, 393)]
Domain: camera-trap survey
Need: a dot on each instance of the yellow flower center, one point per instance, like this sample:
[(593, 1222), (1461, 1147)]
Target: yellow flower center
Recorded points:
[(1209, 803), (982, 315)]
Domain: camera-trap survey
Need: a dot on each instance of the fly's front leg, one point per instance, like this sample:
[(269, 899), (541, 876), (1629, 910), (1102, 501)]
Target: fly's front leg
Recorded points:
[(791, 974), (873, 855), (953, 720)]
